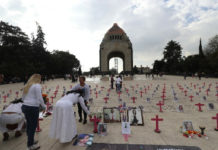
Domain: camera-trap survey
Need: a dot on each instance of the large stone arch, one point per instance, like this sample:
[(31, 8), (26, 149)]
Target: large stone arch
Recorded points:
[(116, 44)]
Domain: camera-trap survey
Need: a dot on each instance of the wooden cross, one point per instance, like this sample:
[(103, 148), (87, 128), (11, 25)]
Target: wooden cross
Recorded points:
[(133, 99), (199, 106), (106, 99), (17, 93), (95, 120), (5, 97), (217, 96), (55, 93), (127, 90), (163, 97), (38, 129), (216, 118), (145, 90), (207, 92), (160, 104), (141, 93), (119, 93), (157, 130), (185, 93), (96, 94), (52, 99), (191, 98)]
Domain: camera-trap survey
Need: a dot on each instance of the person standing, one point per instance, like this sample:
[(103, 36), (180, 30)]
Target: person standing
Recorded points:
[(82, 86), (118, 82), (112, 81), (32, 99), (63, 125)]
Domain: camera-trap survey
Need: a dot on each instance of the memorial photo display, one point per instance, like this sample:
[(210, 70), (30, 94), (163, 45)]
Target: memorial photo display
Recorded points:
[(135, 117), (111, 115)]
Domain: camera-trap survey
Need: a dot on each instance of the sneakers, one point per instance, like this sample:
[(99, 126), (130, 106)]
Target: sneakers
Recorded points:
[(33, 147), (6, 136)]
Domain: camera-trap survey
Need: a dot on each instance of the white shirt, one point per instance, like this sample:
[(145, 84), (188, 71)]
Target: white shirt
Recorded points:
[(118, 80), (86, 87), (34, 96), (14, 108)]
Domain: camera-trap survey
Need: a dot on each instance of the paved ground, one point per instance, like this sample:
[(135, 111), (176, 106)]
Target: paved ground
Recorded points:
[(170, 127)]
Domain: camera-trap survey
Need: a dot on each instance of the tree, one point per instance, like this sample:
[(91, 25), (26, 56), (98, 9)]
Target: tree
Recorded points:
[(135, 70), (12, 35), (172, 56), (39, 41), (20, 57), (79, 71), (201, 54), (212, 55), (158, 66)]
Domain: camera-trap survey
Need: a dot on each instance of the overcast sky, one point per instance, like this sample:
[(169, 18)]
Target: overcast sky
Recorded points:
[(79, 25)]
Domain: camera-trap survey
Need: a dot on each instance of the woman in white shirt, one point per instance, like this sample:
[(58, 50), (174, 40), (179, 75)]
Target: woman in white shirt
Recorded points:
[(32, 99)]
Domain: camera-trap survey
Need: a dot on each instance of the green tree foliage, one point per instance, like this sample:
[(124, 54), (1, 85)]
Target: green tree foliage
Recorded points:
[(158, 66), (172, 56), (20, 57), (212, 55)]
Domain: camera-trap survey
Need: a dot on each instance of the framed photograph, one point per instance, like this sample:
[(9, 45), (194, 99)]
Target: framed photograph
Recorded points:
[(135, 116), (102, 129), (187, 126), (111, 115)]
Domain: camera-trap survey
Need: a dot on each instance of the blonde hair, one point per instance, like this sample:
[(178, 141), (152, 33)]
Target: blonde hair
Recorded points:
[(34, 79)]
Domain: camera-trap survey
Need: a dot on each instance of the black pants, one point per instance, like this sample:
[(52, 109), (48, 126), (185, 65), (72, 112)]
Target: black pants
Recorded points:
[(112, 85), (80, 110), (31, 115)]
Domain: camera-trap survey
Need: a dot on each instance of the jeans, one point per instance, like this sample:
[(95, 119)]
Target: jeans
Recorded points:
[(31, 114), (118, 87), (80, 110)]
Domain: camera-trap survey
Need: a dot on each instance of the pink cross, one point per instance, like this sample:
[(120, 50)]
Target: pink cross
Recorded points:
[(141, 93), (38, 129), (52, 97), (145, 90), (127, 90), (185, 93), (191, 98), (119, 94), (133, 99), (217, 96), (5, 97), (160, 104), (55, 93), (157, 130), (199, 106), (106, 99), (163, 97), (96, 94), (95, 120), (17, 93), (207, 91), (216, 118)]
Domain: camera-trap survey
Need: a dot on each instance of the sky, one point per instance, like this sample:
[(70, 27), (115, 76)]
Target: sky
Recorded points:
[(78, 26)]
